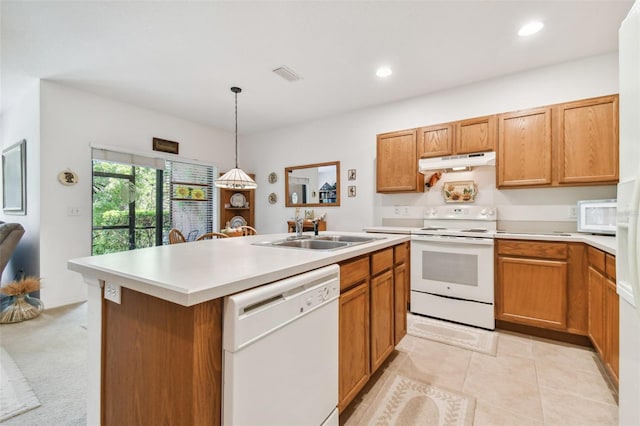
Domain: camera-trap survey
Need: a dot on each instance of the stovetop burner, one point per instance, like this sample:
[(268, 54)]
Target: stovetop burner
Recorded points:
[(475, 230), (433, 228)]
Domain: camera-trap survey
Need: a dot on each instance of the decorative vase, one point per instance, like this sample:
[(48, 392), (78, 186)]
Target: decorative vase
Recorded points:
[(20, 307)]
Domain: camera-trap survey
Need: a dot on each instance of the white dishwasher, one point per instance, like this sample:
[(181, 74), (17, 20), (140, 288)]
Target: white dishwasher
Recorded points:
[(281, 352)]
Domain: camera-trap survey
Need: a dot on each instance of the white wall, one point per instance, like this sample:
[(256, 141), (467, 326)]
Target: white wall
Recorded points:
[(351, 139), (71, 122), (22, 121)]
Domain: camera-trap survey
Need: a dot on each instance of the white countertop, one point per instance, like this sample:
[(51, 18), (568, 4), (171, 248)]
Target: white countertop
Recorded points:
[(195, 272), (602, 242), (389, 229)]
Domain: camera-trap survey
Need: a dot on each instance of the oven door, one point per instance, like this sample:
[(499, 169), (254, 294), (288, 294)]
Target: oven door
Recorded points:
[(457, 267)]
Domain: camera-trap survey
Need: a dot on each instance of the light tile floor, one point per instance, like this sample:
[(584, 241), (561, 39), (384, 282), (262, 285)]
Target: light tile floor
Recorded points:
[(531, 381)]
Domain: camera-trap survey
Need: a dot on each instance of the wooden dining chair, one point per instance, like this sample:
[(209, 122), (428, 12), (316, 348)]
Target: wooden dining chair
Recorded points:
[(247, 230), (176, 237), (211, 236)]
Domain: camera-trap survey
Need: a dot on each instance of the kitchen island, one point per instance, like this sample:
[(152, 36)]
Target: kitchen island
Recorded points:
[(155, 357)]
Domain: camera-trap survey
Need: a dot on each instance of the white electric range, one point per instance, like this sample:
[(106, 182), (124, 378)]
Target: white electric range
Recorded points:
[(452, 265)]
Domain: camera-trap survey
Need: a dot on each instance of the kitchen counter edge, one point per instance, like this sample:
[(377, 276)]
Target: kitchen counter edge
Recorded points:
[(291, 262)]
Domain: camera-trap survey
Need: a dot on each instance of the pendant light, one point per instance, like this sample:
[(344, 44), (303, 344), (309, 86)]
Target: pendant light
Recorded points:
[(236, 178)]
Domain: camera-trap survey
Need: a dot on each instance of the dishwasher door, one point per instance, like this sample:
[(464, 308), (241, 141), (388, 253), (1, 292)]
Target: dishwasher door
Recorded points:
[(281, 352)]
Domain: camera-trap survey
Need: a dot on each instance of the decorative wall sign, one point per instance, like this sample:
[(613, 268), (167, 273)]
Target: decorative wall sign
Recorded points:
[(459, 192), (164, 145), (351, 174), (68, 177), (351, 191), (273, 177), (14, 178)]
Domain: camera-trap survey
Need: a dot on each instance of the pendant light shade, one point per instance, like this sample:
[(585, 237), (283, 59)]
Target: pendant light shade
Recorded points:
[(236, 178)]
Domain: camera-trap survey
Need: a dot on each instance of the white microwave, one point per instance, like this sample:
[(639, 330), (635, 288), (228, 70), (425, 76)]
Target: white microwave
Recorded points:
[(597, 216)]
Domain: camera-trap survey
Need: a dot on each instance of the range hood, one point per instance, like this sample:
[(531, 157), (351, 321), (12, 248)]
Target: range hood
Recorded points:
[(456, 162)]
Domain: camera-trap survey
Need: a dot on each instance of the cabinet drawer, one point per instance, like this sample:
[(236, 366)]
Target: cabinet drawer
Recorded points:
[(381, 260), (353, 272), (401, 253), (610, 265), (541, 249), (596, 258)]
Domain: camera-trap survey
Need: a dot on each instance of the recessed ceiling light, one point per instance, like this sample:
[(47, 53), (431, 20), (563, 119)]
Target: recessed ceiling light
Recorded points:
[(383, 72), (530, 28)]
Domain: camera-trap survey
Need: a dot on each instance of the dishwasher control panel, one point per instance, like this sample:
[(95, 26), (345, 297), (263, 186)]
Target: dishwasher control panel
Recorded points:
[(318, 295)]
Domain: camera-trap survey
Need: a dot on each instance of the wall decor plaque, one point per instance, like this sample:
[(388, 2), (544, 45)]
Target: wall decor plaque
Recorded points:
[(459, 192), (164, 145)]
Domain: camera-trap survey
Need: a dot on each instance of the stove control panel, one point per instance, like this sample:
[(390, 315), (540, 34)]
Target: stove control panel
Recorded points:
[(461, 212)]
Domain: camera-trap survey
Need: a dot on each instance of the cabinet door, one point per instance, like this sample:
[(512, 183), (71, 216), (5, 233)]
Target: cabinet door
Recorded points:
[(532, 292), (588, 141), (354, 352), (382, 317), (397, 163), (435, 141), (596, 309), (612, 328), (400, 282), (524, 148), (476, 135)]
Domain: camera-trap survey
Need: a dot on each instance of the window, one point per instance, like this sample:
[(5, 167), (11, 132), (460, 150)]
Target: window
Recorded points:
[(192, 199), (137, 200)]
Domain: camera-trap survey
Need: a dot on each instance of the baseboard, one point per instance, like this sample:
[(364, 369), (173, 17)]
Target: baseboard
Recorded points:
[(561, 336)]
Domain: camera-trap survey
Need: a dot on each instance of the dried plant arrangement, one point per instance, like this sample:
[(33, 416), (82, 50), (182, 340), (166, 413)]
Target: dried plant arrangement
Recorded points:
[(20, 306)]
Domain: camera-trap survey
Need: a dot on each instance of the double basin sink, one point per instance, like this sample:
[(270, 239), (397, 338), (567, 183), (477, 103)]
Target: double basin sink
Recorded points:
[(320, 242)]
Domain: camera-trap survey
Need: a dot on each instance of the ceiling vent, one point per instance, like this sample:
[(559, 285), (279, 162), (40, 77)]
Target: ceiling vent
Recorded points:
[(287, 73)]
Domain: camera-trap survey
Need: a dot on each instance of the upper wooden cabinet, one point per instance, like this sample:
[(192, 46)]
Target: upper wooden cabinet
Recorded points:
[(587, 136), (435, 141), (524, 148), (397, 163), (580, 149), (460, 137), (476, 135)]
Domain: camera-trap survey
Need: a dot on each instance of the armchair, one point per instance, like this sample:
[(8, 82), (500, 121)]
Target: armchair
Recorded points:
[(10, 234)]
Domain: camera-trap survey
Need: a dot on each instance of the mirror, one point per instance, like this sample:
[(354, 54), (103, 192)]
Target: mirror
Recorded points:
[(313, 185)]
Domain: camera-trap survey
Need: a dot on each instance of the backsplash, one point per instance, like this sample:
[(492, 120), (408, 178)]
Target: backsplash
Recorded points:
[(519, 210)]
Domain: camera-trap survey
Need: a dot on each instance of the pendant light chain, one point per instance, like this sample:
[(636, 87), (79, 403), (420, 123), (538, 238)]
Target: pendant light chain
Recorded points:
[(236, 178)]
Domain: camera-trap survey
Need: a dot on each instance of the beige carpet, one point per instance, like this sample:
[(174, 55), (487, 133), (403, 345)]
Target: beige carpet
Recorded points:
[(408, 402), (16, 395), (51, 352), (463, 336)]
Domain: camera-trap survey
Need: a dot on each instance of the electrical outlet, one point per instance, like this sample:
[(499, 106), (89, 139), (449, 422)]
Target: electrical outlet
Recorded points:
[(573, 212), (73, 211), (397, 211), (112, 292)]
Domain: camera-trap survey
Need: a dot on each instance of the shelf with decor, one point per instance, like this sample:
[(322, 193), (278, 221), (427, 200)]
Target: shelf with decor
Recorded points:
[(237, 207)]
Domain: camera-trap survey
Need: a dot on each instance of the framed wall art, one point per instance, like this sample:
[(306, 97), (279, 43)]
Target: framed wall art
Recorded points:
[(14, 178)]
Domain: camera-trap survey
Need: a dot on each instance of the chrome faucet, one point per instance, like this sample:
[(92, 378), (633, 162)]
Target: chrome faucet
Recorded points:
[(299, 226)]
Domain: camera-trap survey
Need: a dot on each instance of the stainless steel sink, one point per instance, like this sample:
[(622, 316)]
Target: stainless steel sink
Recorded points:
[(312, 244), (345, 238), (321, 242)]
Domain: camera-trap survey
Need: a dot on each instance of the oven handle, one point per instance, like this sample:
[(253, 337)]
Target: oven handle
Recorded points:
[(446, 239)]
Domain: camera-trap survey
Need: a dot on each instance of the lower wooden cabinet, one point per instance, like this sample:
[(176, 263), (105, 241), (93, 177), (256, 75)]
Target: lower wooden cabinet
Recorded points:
[(595, 281), (382, 318), (612, 324), (604, 309), (531, 287), (373, 315), (353, 358)]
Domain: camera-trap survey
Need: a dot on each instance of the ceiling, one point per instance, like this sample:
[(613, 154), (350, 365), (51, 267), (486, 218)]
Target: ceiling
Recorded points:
[(181, 57)]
